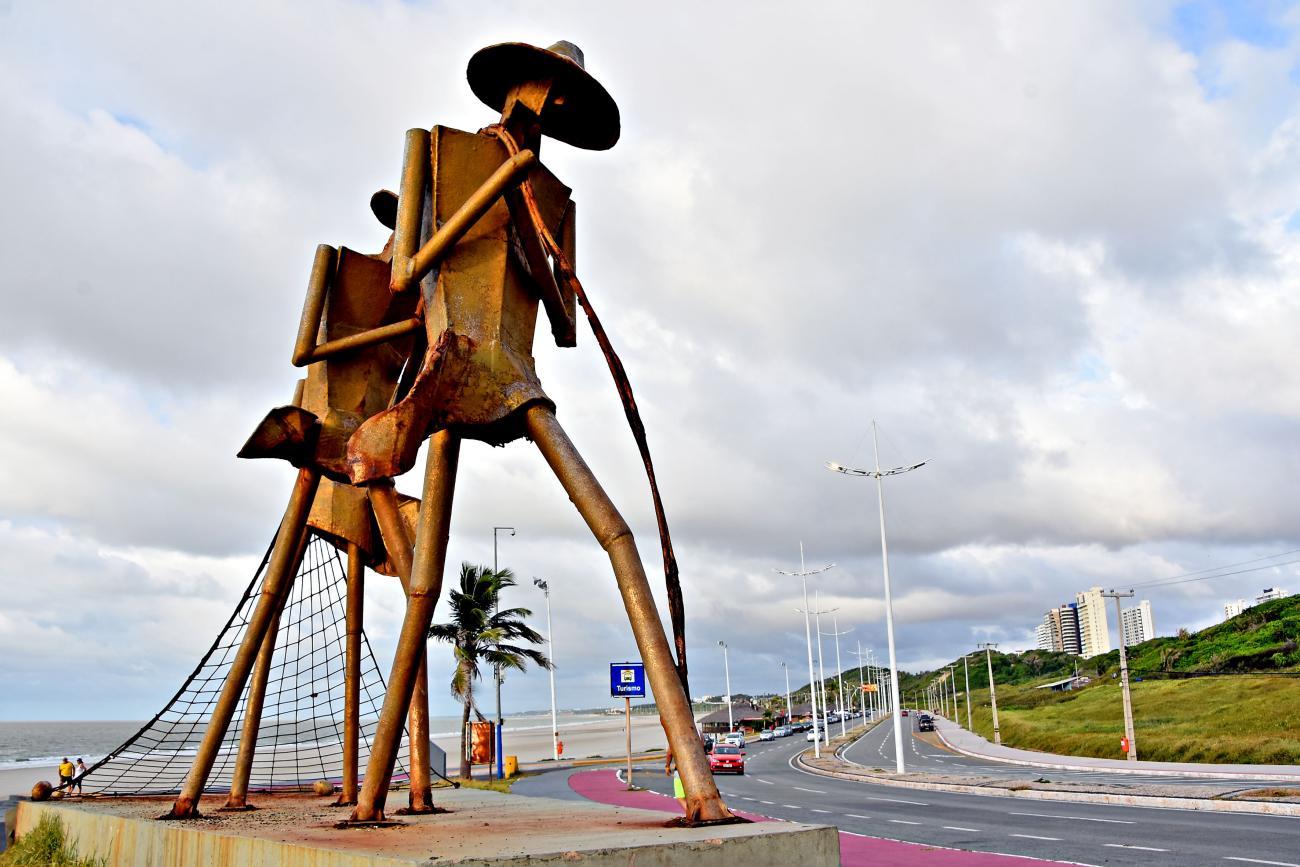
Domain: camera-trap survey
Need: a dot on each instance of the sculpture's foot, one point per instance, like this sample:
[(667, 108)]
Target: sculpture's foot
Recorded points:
[(425, 810), (360, 823), (683, 822), (341, 802), (237, 808)]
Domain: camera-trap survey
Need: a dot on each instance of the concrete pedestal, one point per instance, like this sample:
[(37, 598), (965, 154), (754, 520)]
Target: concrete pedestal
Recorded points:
[(482, 828)]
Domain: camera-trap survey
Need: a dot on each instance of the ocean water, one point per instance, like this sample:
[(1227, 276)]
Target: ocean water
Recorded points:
[(46, 743)]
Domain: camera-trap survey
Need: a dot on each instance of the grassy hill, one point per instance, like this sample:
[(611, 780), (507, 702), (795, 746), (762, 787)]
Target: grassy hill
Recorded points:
[(1229, 693)]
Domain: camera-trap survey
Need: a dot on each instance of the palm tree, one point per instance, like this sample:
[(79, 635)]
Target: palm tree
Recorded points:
[(479, 632)]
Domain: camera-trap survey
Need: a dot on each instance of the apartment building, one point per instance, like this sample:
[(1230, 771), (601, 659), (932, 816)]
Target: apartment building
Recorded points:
[(1137, 625), (1094, 633), (1059, 630)]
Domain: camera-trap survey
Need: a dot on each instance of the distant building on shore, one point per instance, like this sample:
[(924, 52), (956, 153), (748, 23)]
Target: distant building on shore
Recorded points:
[(1059, 630), (1137, 625), (1094, 632), (1232, 609)]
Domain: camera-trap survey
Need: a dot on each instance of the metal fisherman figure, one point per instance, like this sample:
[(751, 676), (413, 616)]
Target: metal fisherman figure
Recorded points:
[(482, 233)]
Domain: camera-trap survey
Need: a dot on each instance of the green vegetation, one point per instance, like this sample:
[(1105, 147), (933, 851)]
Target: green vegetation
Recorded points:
[(45, 846), (1221, 719)]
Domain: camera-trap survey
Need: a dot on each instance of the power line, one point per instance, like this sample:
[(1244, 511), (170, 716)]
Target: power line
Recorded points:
[(1169, 582), (1177, 578)]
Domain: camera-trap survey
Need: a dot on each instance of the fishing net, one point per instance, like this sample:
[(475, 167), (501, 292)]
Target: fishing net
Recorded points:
[(301, 735)]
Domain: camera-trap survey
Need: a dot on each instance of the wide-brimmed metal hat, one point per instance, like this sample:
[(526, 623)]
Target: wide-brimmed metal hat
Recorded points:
[(586, 118)]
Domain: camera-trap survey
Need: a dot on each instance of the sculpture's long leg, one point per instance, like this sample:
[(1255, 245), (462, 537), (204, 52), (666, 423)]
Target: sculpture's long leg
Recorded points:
[(426, 584), (383, 499), (703, 803), (238, 798), (279, 577), (352, 675)]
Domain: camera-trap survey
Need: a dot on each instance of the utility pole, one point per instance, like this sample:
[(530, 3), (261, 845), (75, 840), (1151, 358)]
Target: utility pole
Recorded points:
[(952, 679), (731, 725), (862, 684), (993, 692), (803, 574), (550, 652), (496, 669), (965, 661), (1132, 754)]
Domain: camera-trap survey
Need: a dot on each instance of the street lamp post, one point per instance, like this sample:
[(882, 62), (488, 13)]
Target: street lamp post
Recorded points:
[(550, 652), (496, 669), (839, 668), (731, 725), (993, 692), (879, 476), (965, 661), (803, 574), (821, 666), (789, 708)]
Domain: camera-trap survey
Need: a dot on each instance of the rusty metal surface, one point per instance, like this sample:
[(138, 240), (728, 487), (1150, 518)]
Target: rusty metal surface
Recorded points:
[(275, 589), (486, 234)]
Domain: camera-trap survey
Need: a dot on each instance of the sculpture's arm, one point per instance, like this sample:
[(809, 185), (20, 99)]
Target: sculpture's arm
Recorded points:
[(411, 265)]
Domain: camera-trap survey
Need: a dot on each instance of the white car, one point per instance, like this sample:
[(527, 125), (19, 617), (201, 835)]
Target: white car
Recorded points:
[(736, 739), (767, 735), (813, 734)]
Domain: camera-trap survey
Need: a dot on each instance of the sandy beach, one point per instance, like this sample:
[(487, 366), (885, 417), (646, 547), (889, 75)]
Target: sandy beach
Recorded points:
[(585, 738)]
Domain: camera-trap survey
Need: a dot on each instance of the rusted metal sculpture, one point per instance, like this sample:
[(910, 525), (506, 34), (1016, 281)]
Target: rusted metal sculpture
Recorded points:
[(433, 340)]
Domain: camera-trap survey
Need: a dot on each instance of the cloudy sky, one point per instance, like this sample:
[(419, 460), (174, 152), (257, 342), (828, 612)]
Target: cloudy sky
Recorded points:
[(1053, 248)]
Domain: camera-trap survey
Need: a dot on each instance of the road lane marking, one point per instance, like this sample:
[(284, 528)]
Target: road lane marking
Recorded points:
[(769, 803), (960, 828), (814, 791), (764, 782), (815, 810), (1259, 861), (743, 798), (856, 816), (1075, 818), (1130, 846), (903, 822), (1036, 837), (897, 801), (792, 806)]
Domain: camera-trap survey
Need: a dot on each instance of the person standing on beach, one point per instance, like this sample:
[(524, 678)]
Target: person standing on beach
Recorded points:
[(81, 774), (66, 772)]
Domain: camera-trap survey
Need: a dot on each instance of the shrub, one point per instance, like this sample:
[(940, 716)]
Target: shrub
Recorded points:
[(45, 846)]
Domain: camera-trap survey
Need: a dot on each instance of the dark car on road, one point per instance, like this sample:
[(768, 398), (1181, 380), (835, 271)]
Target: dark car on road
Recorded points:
[(925, 724)]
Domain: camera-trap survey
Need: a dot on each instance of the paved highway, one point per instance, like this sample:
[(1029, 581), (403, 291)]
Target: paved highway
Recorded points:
[(1079, 833), (876, 750)]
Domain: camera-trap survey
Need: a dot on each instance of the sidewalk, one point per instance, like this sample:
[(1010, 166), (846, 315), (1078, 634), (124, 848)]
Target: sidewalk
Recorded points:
[(972, 744)]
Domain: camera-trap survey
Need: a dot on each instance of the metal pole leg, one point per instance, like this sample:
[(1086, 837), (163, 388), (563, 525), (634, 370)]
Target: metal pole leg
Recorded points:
[(238, 799), (426, 583), (352, 676), (279, 577), (703, 803), (383, 500)]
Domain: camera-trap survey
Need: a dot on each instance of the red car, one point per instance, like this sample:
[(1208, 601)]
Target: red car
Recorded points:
[(725, 757)]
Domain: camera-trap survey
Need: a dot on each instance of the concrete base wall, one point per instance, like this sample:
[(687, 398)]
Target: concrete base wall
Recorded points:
[(127, 841)]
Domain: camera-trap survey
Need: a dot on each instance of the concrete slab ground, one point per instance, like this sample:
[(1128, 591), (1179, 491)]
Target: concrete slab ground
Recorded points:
[(481, 828)]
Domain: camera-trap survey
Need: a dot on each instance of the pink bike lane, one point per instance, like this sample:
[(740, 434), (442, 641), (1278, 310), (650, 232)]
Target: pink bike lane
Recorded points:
[(604, 787)]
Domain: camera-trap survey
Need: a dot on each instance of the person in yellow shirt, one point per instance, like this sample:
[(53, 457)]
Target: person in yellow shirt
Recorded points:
[(66, 772)]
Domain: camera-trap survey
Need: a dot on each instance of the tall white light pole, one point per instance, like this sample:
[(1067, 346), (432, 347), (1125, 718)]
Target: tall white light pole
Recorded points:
[(993, 691), (501, 747), (789, 708), (862, 693), (965, 661), (879, 476), (802, 575), (839, 668), (731, 725), (821, 666), (1132, 753), (550, 652)]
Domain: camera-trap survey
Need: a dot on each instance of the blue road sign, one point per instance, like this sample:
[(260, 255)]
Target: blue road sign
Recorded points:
[(627, 680)]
